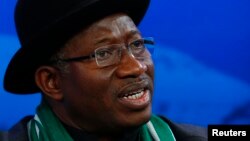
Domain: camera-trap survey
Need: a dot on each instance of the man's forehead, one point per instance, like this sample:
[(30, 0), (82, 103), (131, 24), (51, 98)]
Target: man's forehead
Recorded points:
[(115, 21), (115, 26)]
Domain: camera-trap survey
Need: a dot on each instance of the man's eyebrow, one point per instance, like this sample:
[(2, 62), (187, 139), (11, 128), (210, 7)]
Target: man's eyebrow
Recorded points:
[(107, 39), (133, 32), (102, 40)]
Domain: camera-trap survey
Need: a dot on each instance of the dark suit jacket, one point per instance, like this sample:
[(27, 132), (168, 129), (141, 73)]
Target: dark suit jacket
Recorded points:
[(3, 136), (182, 132)]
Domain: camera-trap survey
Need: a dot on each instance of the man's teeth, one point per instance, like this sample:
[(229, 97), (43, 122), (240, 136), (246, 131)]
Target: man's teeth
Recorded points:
[(134, 95)]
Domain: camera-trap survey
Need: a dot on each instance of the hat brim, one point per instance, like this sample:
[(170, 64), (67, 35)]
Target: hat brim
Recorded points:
[(20, 74)]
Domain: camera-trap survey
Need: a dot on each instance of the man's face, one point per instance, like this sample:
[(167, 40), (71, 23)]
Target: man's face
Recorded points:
[(107, 98)]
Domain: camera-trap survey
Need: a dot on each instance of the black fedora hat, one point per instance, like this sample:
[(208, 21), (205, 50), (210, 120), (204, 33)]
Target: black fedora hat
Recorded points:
[(43, 26)]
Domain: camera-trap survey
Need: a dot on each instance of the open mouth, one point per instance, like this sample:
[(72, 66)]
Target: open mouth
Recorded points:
[(136, 99), (134, 95)]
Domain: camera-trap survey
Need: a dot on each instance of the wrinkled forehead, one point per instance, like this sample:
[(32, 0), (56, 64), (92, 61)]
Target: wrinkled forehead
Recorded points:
[(117, 24), (114, 27)]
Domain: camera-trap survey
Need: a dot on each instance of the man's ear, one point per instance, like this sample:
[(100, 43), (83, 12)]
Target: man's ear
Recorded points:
[(47, 79)]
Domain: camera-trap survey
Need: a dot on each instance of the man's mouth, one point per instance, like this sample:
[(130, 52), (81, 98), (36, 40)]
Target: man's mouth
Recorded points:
[(134, 95), (137, 96)]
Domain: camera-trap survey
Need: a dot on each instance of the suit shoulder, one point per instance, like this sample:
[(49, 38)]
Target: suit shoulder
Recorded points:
[(19, 130), (187, 132)]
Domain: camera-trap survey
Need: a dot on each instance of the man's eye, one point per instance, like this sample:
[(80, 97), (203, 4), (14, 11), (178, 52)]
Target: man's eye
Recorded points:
[(137, 44), (103, 54)]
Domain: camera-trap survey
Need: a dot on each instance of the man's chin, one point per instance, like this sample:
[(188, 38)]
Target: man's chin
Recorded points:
[(138, 119)]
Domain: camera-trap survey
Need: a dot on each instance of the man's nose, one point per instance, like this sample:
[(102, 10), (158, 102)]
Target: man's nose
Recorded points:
[(130, 66)]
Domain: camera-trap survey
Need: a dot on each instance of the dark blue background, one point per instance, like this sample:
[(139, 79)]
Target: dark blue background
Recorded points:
[(202, 61)]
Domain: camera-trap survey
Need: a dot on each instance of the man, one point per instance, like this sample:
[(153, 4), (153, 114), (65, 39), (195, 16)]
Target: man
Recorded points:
[(95, 73)]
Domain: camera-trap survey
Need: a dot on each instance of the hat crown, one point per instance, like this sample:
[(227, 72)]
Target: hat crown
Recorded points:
[(34, 16)]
